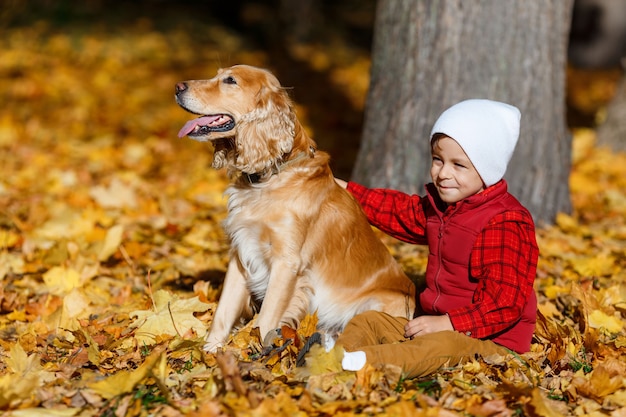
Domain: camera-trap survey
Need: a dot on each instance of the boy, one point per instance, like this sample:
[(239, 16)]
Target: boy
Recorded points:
[(479, 296)]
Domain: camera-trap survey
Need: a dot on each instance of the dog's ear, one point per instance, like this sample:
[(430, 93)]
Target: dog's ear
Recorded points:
[(223, 153), (265, 134)]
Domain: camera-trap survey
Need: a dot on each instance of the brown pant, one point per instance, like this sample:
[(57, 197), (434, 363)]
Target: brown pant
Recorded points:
[(381, 337)]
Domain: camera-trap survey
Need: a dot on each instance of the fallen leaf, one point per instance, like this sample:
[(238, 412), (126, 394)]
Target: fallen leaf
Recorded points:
[(493, 408), (600, 320), (75, 306), (124, 382), (45, 412), (539, 406), (112, 242), (26, 376), (170, 316), (116, 195), (61, 280), (600, 384)]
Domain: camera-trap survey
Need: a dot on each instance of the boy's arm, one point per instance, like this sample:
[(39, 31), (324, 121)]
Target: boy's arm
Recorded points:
[(422, 325), (504, 260), (398, 214)]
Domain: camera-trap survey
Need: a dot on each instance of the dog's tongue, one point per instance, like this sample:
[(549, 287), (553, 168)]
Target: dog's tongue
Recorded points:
[(191, 125)]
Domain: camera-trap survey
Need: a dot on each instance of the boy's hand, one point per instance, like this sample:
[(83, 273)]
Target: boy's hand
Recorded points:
[(427, 324), (343, 184)]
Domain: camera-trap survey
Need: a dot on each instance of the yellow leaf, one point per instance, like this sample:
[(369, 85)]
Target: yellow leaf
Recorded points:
[(19, 362), (572, 348), (117, 195), (67, 224), (8, 238), (549, 310), (600, 320), (281, 404), (75, 306), (620, 341), (124, 382), (308, 325), (45, 412), (15, 387), (488, 408), (19, 315), (27, 375), (244, 336), (615, 295), (9, 130), (93, 352), (600, 265), (111, 242), (618, 398), (616, 200), (61, 280), (600, 384), (566, 222), (171, 316), (204, 235), (541, 406), (10, 263), (554, 291), (320, 362)]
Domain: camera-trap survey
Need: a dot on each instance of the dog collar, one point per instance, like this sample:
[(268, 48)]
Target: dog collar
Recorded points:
[(256, 177), (253, 178)]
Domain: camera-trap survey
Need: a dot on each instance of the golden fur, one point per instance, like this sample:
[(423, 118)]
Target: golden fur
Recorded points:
[(299, 242)]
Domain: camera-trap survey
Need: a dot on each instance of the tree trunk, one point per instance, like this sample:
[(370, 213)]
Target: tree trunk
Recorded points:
[(430, 54)]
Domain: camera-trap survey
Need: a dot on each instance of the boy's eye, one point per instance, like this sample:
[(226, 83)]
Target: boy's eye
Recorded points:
[(229, 80), (436, 162)]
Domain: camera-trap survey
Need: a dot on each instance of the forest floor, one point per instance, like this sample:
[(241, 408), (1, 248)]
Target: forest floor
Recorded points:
[(112, 253)]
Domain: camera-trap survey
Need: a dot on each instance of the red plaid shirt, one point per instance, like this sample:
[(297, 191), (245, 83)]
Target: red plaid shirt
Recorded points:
[(503, 258)]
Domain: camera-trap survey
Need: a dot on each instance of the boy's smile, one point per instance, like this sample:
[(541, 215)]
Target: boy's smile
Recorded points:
[(452, 172)]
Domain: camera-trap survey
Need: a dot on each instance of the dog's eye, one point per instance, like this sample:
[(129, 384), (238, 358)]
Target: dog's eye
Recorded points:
[(229, 80)]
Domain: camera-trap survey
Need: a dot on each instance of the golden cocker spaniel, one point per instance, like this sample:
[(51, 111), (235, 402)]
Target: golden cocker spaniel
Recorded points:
[(299, 242)]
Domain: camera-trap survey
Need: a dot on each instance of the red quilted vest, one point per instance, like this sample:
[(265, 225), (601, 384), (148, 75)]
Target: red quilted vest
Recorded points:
[(450, 240)]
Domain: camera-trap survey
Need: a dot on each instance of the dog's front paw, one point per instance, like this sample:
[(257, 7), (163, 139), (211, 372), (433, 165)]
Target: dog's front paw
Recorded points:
[(212, 347), (212, 344), (272, 335)]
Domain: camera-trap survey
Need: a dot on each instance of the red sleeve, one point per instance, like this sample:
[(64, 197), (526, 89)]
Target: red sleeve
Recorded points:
[(504, 260), (398, 214)]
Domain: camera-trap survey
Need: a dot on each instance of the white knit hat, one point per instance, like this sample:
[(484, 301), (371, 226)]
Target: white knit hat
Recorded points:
[(486, 130)]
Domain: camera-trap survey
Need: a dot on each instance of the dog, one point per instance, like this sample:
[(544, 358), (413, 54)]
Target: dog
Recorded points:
[(300, 243)]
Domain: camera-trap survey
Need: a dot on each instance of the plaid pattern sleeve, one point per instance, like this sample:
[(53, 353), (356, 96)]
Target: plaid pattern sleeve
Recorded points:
[(398, 214), (504, 260)]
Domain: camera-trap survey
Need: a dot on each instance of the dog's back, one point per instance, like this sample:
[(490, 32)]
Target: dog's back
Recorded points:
[(340, 266)]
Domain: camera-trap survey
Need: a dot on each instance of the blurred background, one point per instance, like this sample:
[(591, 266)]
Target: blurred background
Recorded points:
[(321, 48)]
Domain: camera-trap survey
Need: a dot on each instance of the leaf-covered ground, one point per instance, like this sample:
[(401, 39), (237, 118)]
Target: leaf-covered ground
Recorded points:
[(111, 254)]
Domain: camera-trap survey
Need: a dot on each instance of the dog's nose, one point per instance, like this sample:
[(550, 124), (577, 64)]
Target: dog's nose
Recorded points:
[(181, 88)]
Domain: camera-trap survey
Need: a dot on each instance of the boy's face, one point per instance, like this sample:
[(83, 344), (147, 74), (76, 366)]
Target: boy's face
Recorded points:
[(452, 172)]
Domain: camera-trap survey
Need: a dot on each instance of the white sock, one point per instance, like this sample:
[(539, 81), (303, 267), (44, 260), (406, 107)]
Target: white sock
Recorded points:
[(353, 361), (328, 342)]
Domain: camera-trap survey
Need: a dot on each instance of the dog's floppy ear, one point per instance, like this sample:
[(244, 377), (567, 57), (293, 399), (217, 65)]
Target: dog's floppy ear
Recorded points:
[(265, 134), (223, 153)]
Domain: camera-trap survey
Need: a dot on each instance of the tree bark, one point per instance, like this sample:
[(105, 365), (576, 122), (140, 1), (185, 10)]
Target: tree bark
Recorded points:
[(430, 54)]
